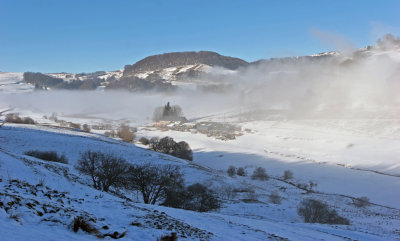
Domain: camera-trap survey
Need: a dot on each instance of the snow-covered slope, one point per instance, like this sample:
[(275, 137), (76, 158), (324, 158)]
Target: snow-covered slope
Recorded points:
[(40, 199), (13, 83)]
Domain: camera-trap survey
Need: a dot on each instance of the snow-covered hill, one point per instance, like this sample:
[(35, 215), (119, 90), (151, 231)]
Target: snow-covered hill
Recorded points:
[(38, 196), (13, 83)]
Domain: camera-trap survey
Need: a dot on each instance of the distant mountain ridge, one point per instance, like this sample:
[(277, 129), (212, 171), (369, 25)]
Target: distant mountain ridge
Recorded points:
[(165, 72), (174, 59)]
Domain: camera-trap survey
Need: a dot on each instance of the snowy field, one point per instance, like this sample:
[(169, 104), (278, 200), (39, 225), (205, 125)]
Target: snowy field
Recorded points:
[(236, 220)]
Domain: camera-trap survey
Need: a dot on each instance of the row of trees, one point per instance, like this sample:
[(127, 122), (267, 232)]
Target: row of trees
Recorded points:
[(15, 118), (157, 184), (43, 81), (258, 174)]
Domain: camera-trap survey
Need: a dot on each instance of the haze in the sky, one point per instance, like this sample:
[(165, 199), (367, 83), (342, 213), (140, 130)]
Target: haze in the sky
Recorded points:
[(86, 36)]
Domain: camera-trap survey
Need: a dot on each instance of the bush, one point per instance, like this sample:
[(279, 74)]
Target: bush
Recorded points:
[(75, 125), (105, 170), (144, 141), (231, 171), (226, 192), (86, 128), (15, 118), (168, 237), (183, 151), (196, 197), (110, 133), (153, 142), (259, 174), (124, 132), (287, 175), (48, 156), (168, 146), (80, 223), (154, 181), (241, 172), (275, 198), (314, 211), (361, 202)]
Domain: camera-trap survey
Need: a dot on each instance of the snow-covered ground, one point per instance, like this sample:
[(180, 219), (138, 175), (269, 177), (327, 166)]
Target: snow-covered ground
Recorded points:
[(66, 194), (346, 161), (346, 156), (13, 83)]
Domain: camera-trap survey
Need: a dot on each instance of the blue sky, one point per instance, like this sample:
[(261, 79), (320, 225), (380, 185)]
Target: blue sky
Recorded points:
[(85, 36)]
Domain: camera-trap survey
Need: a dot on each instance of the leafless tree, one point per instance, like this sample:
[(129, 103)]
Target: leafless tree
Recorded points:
[(105, 170), (154, 181), (112, 171)]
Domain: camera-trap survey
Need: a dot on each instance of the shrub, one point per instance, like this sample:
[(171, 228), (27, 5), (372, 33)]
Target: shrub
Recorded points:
[(241, 172), (15, 118), (144, 141), (124, 132), (259, 174), (28, 120), (361, 202), (275, 198), (48, 156), (86, 128), (168, 237), (227, 192), (183, 150), (196, 197), (231, 171), (153, 142), (154, 181), (287, 175), (80, 223), (168, 146), (314, 211), (75, 125), (110, 133), (105, 170)]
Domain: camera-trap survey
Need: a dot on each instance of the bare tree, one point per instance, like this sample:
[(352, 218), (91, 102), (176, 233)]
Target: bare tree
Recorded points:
[(88, 164), (105, 170), (112, 171), (154, 181)]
